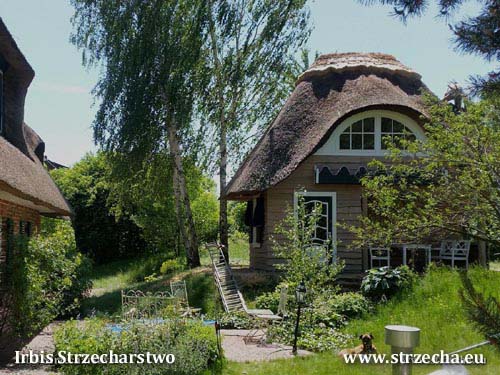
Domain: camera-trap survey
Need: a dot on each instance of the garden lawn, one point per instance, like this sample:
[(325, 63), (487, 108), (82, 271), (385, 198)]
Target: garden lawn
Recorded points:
[(109, 279), (106, 295), (434, 306), (239, 253)]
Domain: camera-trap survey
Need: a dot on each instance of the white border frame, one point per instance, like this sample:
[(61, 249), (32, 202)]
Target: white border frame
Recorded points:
[(333, 224), (332, 145)]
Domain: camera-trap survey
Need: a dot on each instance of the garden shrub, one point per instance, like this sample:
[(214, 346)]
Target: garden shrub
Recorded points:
[(268, 300), (387, 281), (171, 266), (193, 345), (313, 336), (48, 278), (350, 304), (321, 320)]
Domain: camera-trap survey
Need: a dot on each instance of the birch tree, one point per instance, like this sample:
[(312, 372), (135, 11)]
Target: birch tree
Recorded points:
[(250, 51), (148, 53)]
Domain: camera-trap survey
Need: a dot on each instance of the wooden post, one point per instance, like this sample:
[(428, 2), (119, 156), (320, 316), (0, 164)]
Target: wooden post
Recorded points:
[(483, 255)]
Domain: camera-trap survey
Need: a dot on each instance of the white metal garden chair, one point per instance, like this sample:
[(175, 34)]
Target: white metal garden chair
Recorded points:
[(262, 320), (380, 254), (455, 250)]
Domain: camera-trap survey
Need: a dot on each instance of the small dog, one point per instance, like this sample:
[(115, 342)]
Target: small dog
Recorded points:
[(366, 347)]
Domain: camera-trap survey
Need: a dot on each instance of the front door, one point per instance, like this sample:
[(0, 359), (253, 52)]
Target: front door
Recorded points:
[(323, 236)]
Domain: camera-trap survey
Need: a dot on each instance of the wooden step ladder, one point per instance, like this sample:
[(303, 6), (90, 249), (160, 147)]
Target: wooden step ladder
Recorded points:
[(225, 281)]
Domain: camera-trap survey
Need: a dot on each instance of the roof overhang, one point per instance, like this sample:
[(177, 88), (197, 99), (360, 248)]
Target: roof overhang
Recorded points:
[(9, 194)]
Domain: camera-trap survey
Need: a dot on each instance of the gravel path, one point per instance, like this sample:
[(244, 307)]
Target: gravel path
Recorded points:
[(43, 342), (235, 349)]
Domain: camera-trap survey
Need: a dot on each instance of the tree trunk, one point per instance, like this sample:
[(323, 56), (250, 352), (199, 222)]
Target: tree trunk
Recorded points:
[(179, 212), (182, 199), (223, 228)]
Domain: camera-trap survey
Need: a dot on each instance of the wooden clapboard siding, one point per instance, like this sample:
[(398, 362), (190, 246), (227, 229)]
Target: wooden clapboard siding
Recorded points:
[(349, 204)]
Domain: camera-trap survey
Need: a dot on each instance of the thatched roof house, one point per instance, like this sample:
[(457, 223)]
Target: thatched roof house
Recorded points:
[(26, 189), (327, 131)]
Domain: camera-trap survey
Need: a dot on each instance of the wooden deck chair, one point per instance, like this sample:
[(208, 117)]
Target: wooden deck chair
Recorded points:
[(178, 290)]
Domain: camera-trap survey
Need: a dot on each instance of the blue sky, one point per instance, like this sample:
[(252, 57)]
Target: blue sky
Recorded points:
[(59, 102)]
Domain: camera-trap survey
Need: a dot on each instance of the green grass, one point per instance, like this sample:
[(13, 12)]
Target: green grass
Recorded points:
[(110, 279), (239, 251), (434, 306)]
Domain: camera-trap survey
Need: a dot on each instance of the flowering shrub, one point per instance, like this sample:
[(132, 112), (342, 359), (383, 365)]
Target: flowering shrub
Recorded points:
[(46, 278), (193, 345)]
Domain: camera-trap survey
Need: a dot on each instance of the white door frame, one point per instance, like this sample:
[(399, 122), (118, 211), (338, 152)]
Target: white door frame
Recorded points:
[(333, 224)]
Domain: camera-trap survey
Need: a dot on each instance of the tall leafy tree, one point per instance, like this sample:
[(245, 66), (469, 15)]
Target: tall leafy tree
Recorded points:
[(149, 53), (249, 55), (478, 34), (99, 232)]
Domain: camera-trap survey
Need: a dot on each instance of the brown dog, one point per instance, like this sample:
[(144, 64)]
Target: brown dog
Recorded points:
[(366, 347)]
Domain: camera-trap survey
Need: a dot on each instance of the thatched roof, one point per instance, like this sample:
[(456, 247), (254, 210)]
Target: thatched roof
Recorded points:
[(22, 174), (333, 88), (27, 179)]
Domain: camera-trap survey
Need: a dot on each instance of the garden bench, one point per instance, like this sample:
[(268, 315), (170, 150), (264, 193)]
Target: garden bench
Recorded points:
[(455, 250), (139, 305)]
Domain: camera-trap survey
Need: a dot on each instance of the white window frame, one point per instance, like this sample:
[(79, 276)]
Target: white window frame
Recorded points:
[(333, 224), (332, 145)]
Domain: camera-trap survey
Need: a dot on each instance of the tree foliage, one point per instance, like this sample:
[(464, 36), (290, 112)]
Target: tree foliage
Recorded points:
[(447, 185), (478, 34), (118, 214), (250, 52), (149, 52), (49, 277), (99, 233), (147, 198)]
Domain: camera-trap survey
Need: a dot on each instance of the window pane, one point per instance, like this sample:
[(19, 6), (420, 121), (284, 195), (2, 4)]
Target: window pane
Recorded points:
[(357, 126), (345, 141), (398, 127), (411, 137), (368, 141), (369, 125), (386, 125), (357, 141)]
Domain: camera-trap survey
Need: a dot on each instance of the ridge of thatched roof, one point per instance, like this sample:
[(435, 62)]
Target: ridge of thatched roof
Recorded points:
[(341, 62), (336, 87)]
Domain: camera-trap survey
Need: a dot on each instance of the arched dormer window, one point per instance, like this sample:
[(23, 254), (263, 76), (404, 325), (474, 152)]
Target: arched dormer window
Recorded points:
[(370, 132)]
